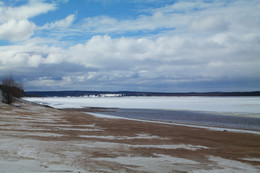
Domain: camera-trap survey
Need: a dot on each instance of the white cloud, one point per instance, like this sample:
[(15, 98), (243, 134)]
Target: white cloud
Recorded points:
[(23, 56), (30, 55), (185, 17), (213, 23), (14, 21), (34, 60), (124, 61), (27, 11), (55, 56), (61, 23), (49, 82), (105, 52), (215, 42), (184, 57), (105, 24), (16, 30)]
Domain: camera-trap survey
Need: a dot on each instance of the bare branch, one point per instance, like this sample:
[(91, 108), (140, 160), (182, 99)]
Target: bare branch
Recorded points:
[(11, 89)]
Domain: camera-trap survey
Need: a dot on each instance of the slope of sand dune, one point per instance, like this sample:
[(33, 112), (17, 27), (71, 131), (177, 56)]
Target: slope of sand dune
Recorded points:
[(35, 138)]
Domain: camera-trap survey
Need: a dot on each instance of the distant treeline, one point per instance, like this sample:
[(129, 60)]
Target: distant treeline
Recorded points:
[(132, 93)]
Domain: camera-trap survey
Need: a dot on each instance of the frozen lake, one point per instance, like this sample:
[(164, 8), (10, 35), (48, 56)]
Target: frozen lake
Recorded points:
[(228, 112), (240, 105)]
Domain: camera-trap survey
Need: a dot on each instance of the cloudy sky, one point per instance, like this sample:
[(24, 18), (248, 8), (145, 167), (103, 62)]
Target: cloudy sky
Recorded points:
[(134, 45)]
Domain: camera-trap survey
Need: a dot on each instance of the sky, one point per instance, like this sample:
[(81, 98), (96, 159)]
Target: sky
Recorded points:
[(131, 45)]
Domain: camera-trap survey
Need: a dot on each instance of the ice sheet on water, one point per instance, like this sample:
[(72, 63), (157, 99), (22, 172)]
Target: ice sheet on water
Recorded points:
[(215, 104), (187, 110)]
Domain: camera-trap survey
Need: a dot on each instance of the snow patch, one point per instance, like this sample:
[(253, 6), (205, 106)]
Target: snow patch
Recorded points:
[(28, 153), (45, 134), (81, 129), (180, 146), (227, 166), (138, 136), (158, 163), (33, 166), (119, 145), (252, 159), (98, 137)]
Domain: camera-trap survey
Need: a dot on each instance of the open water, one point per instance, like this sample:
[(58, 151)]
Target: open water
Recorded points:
[(187, 117)]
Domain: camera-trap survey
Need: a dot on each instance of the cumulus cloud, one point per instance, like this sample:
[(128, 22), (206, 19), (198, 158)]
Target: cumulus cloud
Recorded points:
[(12, 57), (49, 82), (14, 30), (141, 61), (203, 43), (30, 55), (55, 56), (14, 21), (175, 58)]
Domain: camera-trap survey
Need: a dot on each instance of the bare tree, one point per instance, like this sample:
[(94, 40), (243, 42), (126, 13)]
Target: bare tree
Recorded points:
[(11, 89)]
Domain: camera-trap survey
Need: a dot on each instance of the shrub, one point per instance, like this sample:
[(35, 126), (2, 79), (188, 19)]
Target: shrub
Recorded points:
[(11, 89)]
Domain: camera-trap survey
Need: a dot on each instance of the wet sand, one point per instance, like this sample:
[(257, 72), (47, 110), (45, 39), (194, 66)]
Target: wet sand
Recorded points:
[(35, 138)]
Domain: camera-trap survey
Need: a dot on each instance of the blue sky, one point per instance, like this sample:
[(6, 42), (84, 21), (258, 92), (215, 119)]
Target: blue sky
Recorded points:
[(136, 45)]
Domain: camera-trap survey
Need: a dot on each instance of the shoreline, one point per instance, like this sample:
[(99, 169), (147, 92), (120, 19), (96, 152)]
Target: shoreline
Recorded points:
[(52, 140), (121, 113), (97, 111), (214, 128)]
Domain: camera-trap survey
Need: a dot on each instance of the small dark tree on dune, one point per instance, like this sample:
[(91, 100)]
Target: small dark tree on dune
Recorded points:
[(11, 89)]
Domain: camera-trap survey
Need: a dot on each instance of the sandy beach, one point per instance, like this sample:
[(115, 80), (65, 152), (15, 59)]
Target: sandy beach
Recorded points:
[(35, 138)]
